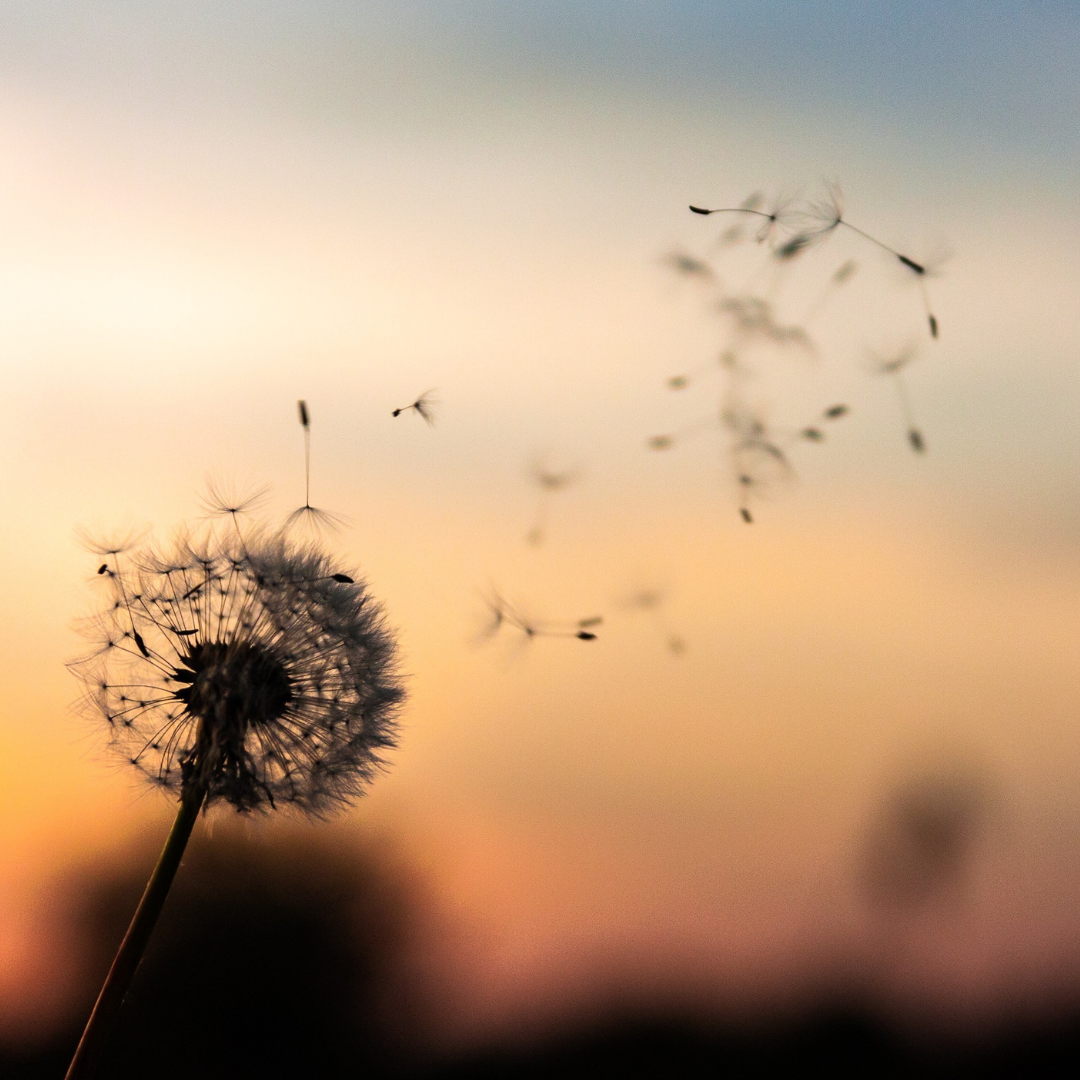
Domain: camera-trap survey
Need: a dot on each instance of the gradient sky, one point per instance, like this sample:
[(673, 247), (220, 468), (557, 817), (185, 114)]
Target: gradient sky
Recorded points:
[(208, 212)]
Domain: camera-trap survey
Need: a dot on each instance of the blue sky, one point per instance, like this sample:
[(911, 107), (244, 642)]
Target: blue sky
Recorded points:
[(1000, 72)]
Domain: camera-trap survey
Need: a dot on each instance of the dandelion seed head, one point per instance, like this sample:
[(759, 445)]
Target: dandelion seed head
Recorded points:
[(254, 668)]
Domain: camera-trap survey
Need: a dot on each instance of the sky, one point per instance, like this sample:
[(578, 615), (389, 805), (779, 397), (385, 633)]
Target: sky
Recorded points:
[(208, 212)]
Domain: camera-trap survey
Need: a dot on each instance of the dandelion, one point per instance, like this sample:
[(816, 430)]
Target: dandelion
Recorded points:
[(423, 406), (250, 672), (308, 513)]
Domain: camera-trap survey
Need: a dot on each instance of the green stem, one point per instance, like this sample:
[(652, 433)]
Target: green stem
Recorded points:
[(103, 1019)]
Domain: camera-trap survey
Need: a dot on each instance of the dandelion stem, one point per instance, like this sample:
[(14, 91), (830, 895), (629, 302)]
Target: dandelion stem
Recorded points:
[(733, 210), (103, 1019), (307, 466)]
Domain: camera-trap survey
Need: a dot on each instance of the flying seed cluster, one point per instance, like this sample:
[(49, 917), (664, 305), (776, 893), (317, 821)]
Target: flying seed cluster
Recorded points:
[(758, 452)]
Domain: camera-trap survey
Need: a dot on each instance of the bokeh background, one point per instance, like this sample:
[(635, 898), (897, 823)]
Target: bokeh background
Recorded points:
[(857, 789)]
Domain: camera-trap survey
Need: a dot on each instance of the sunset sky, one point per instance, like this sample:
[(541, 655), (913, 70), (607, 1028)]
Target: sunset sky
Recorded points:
[(208, 212)]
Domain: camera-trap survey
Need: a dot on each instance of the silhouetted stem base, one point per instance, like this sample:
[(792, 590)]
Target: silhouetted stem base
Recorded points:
[(103, 1019)]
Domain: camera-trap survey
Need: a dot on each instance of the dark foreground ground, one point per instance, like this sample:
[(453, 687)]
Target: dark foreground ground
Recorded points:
[(257, 970), (832, 1047)]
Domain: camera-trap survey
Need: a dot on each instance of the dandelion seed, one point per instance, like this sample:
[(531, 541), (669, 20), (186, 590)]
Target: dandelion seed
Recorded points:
[(845, 272), (651, 601), (770, 218), (554, 481), (549, 482), (681, 382), (257, 678), (753, 317), (666, 442), (837, 280), (689, 266), (423, 406), (793, 247), (828, 215), (736, 233), (315, 517), (760, 464), (226, 499), (504, 614), (894, 367), (814, 433), (312, 515)]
